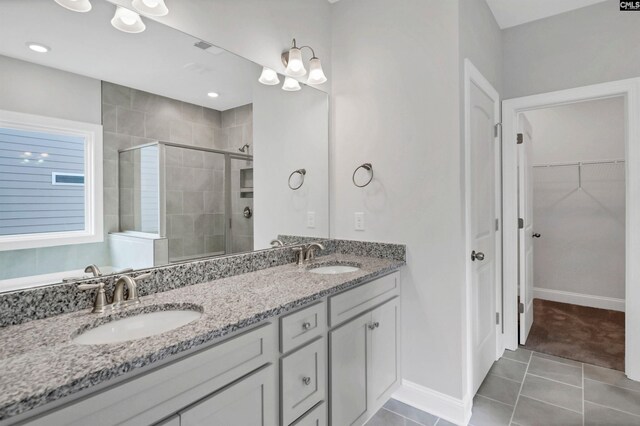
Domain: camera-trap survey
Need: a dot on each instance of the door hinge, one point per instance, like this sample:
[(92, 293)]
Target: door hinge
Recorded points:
[(520, 223), (521, 308), (497, 224), (520, 138), (229, 222), (496, 132), (497, 318)]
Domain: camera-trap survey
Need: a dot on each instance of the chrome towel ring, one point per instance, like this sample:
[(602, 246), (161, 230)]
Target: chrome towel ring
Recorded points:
[(365, 166), (302, 173)]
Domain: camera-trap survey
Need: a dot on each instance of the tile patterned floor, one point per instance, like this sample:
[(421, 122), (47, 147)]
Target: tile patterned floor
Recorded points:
[(525, 388)]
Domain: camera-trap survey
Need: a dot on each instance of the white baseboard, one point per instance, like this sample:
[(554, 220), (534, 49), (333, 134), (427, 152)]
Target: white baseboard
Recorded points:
[(454, 410), (579, 299)]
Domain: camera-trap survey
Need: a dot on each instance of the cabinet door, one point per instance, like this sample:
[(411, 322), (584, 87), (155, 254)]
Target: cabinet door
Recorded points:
[(315, 417), (385, 351), (348, 365), (248, 402)]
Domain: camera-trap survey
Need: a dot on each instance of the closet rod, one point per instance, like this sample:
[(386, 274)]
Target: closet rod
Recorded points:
[(580, 163)]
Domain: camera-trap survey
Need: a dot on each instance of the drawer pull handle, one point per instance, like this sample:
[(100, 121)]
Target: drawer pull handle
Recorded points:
[(306, 381), (374, 325), (306, 326)]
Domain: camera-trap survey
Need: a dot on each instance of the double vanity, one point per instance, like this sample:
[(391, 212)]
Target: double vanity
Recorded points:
[(309, 344)]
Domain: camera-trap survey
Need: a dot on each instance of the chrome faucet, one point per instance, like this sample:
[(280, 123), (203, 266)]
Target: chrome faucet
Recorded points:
[(94, 270), (306, 253), (311, 251), (100, 305), (276, 243), (132, 290)]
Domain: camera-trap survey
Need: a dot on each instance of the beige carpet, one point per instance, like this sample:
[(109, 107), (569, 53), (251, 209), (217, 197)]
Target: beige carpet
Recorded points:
[(594, 336)]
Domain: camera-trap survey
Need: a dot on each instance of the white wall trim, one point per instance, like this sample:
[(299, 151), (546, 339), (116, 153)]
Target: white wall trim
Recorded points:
[(630, 90), (452, 409), (592, 301)]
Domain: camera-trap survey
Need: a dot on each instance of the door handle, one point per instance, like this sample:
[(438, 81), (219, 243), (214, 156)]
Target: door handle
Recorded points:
[(477, 255), (536, 235)]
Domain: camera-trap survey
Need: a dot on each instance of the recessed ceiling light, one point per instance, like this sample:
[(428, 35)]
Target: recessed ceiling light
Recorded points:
[(212, 95), (37, 47)]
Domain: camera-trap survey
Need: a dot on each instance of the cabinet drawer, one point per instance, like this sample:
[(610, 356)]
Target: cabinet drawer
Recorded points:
[(303, 380), (353, 302), (303, 326), (152, 396), (248, 402), (316, 417)]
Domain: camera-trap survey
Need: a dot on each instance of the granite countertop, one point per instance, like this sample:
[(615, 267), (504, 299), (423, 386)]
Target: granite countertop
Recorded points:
[(39, 362)]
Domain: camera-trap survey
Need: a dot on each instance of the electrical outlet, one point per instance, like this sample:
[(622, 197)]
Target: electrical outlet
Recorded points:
[(359, 221), (311, 219)]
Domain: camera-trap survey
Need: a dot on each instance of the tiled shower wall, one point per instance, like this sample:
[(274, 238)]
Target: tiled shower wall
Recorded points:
[(238, 124), (195, 179)]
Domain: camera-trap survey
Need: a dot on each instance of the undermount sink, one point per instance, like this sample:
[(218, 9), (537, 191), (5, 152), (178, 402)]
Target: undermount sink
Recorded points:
[(334, 269), (136, 327)]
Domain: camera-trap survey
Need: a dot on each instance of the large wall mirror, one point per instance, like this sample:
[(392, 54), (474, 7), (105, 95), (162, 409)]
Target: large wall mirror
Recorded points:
[(132, 150)]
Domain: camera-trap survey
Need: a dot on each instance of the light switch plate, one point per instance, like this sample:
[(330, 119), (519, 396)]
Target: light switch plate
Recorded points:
[(359, 221), (311, 219)]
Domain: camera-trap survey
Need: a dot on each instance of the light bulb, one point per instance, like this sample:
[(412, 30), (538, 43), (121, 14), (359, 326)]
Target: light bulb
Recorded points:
[(295, 66), (150, 7), (127, 21), (291, 85), (75, 5), (212, 95), (316, 75), (269, 77)]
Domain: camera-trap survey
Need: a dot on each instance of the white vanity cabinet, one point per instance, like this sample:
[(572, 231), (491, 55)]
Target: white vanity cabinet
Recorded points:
[(364, 355), (332, 362)]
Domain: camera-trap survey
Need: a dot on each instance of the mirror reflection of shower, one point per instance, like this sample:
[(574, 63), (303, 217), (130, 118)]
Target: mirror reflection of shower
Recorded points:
[(244, 148)]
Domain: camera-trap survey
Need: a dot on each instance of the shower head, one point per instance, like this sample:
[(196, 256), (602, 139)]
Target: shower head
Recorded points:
[(244, 148)]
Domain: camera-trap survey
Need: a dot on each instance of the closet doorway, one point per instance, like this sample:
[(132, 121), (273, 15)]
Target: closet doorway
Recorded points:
[(571, 197), (571, 288)]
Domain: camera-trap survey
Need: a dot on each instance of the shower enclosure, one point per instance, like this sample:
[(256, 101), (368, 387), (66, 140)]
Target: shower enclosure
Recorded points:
[(199, 199)]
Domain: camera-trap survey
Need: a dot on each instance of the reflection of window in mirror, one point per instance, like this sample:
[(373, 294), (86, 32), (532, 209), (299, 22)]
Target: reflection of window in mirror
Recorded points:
[(50, 181)]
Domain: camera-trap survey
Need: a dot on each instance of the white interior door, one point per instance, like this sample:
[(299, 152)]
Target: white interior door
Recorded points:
[(525, 237), (482, 180)]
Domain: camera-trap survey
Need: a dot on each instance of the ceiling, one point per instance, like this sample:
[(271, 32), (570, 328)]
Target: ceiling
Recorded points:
[(159, 60), (509, 13)]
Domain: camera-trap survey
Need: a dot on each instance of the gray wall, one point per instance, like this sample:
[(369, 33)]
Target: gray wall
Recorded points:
[(480, 41), (591, 45), (395, 103), (35, 89), (40, 90)]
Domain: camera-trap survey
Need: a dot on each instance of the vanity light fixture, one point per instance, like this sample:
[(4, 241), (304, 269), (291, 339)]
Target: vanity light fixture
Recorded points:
[(150, 7), (127, 21), (75, 5), (212, 95), (37, 47), (291, 84), (269, 77), (292, 59)]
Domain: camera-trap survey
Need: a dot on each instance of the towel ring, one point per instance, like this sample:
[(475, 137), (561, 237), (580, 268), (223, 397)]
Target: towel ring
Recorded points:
[(366, 166), (302, 173)]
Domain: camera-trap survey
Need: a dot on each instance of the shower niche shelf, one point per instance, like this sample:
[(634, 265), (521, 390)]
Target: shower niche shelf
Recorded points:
[(246, 183)]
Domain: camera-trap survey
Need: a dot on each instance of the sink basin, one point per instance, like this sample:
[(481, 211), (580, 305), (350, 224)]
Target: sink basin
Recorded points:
[(136, 327), (334, 269)]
